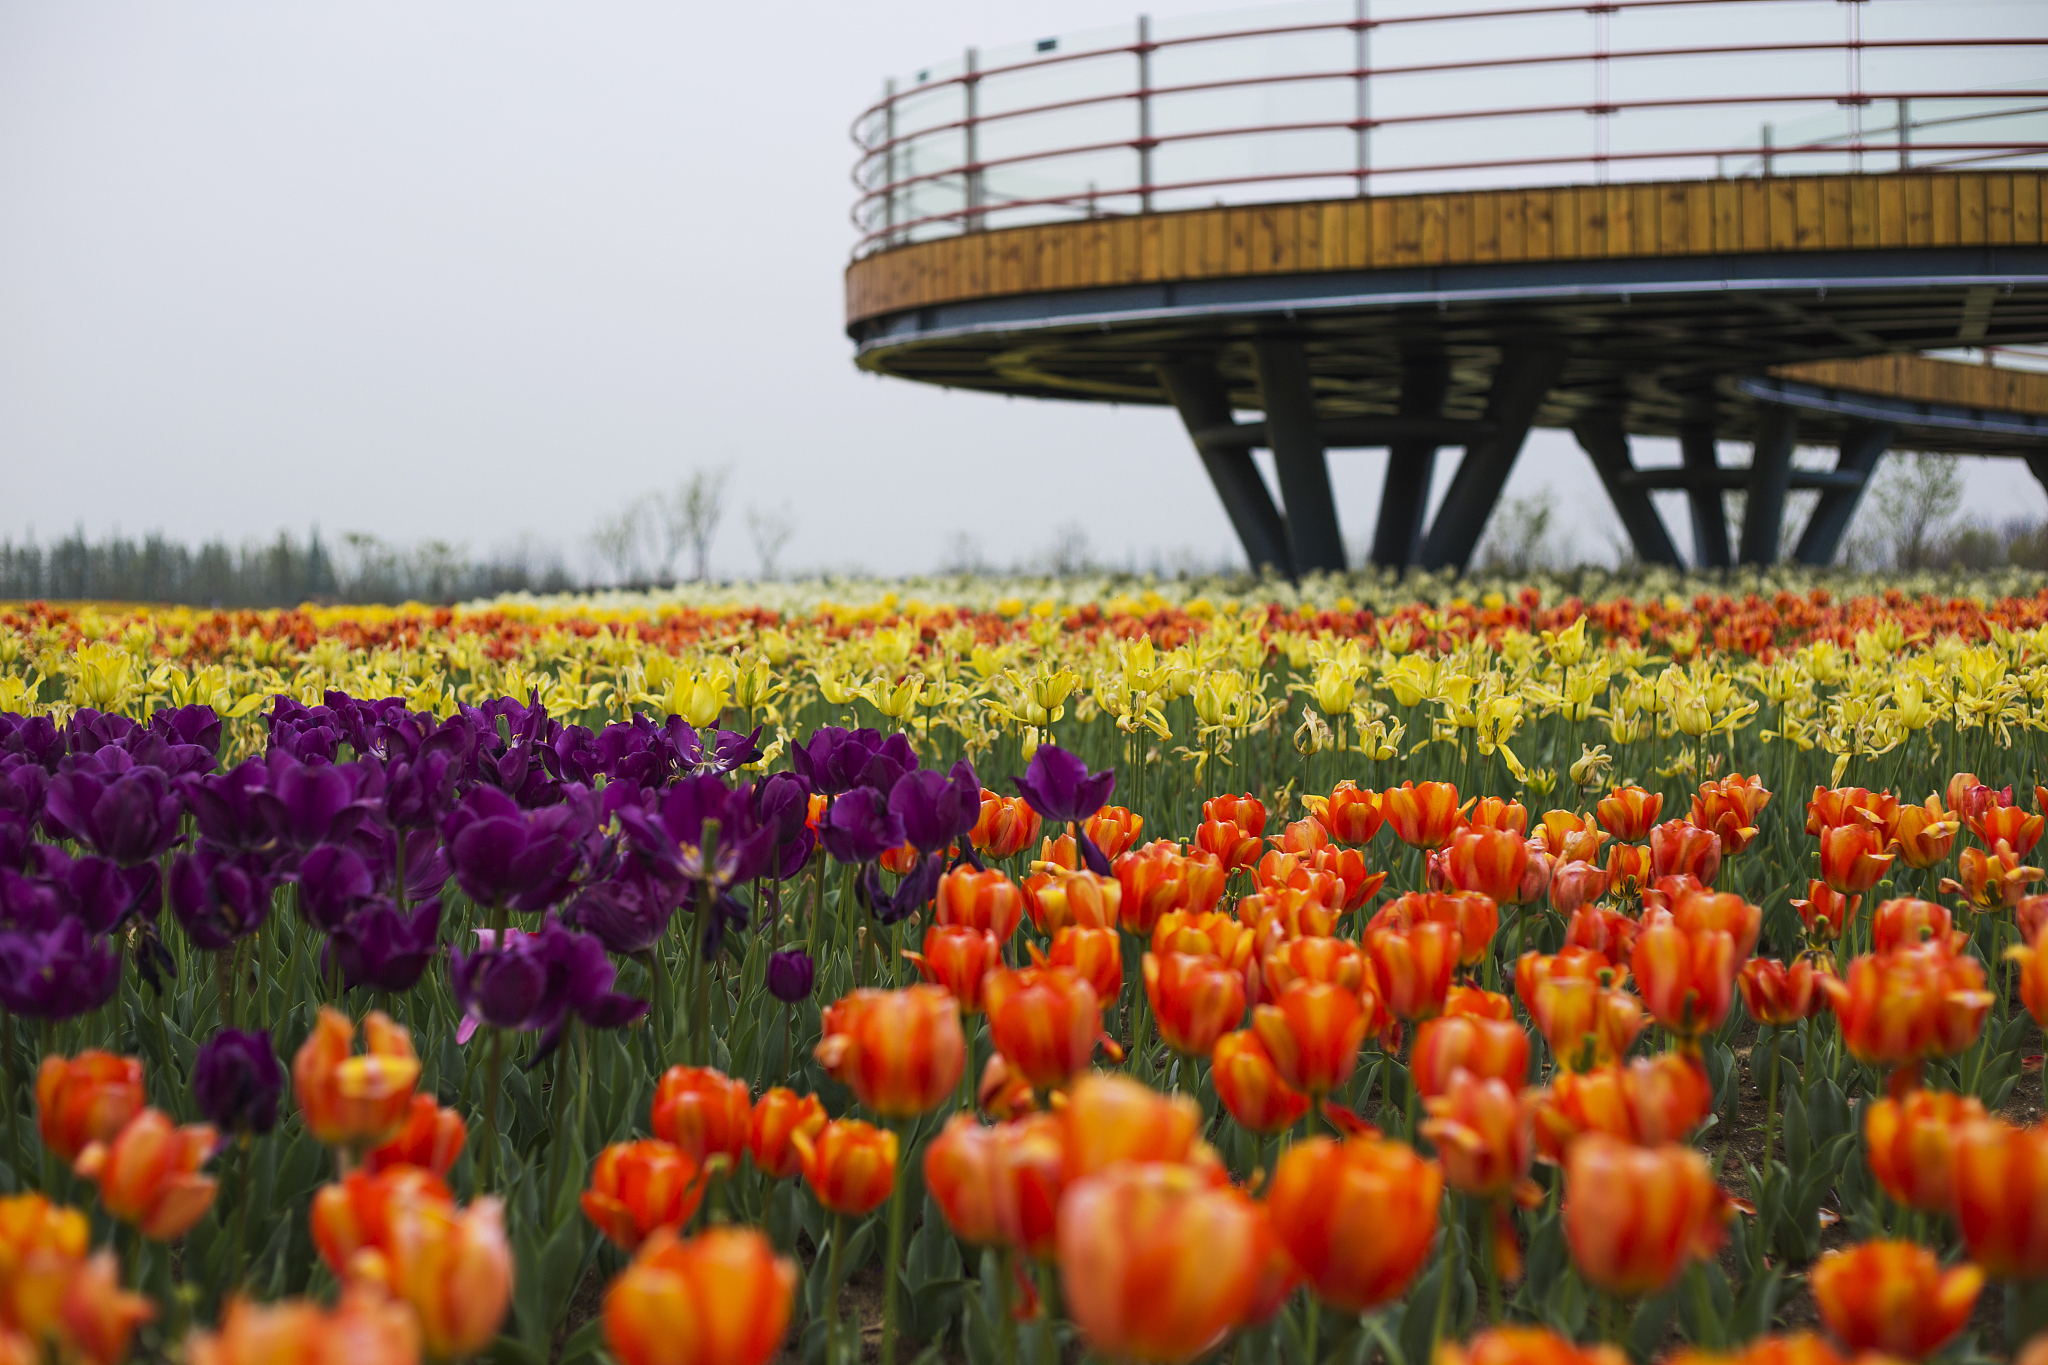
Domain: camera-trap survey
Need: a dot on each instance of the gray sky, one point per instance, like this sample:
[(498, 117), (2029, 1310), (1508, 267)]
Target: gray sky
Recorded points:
[(476, 270)]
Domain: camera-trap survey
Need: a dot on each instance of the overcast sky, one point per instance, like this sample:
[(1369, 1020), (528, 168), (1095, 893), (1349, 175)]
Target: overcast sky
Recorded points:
[(479, 270)]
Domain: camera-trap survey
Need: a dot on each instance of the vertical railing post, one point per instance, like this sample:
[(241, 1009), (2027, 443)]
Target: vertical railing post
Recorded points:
[(1361, 29), (889, 165), (1856, 101), (1905, 135), (1768, 156), (971, 83), (1145, 142), (1603, 107)]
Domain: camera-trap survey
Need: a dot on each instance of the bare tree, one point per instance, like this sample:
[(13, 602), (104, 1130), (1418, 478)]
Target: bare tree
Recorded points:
[(1912, 506), (771, 533), (619, 541), (689, 517), (1519, 537)]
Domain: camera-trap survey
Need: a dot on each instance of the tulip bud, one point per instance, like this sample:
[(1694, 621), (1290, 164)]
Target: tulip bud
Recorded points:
[(431, 1138), (84, 1099), (1251, 1088), (350, 1100), (636, 1187), (1421, 816), (149, 1174), (1893, 1298), (1358, 1217), (1636, 1216), (901, 1052), (722, 1298), (850, 1165), (1313, 1033), (703, 1111), (777, 1117), (1044, 1021), (1195, 999)]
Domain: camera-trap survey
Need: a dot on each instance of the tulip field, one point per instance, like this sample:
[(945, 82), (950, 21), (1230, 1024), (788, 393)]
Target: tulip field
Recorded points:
[(1015, 977)]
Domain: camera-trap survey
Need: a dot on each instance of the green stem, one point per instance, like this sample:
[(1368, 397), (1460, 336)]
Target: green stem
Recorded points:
[(491, 1175), (247, 1183), (1311, 1324), (832, 1281), (895, 1259), (700, 993)]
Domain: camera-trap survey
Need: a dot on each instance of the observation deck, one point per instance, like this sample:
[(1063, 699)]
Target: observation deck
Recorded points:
[(1719, 220)]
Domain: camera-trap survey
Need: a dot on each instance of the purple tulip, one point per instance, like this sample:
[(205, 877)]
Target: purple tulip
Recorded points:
[(937, 808), (23, 786), (533, 982), (306, 734), (912, 894), (32, 739), (89, 731), (860, 826), (57, 974), (418, 792), (504, 855), (791, 974), (237, 1080), (92, 890), (227, 807), (628, 912), (131, 817), (334, 879), (311, 803), (15, 839), (385, 950), (836, 761), (219, 898), (1060, 788)]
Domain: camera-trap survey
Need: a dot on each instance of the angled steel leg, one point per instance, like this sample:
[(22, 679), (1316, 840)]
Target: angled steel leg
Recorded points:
[(1770, 475), (1404, 496), (1198, 391), (1524, 379), (1290, 402), (1604, 441), (1709, 515), (1837, 506)]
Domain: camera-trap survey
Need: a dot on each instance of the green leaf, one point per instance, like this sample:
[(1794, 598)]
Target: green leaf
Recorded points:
[(585, 1342)]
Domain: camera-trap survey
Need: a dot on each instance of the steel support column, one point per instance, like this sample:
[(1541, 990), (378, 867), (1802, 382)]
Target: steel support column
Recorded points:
[(1709, 513), (1288, 395), (1404, 495), (1837, 506), (1606, 444), (1527, 371), (1204, 403), (1770, 475)]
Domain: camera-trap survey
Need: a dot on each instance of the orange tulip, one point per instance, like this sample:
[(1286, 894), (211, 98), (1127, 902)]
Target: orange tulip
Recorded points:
[(1001, 1093), (850, 1165), (1113, 829), (1779, 995), (1006, 827), (1278, 912), (1229, 843), (87, 1098), (149, 1174), (960, 1175), (1832, 807), (1576, 883), (2033, 977), (1629, 869), (1603, 930), (42, 1245), (1209, 934), (1851, 858), (1899, 1007), (1971, 797), (1825, 912), (1313, 1033), (1111, 1118), (1924, 834), (1570, 837), (986, 900), (1301, 837), (1532, 969), (96, 1317), (1991, 879), (357, 1212), (703, 1111), (1488, 861), (1195, 999), (1337, 960), (778, 1116), (1629, 813), (1351, 813), (1634, 1216), (2030, 916), (1893, 1297), (1491, 812), (1908, 923), (636, 1187), (2001, 1197), (431, 1138), (1421, 816), (2008, 825), (1491, 1049), (900, 1052), (1586, 1023), (1154, 880), (1251, 1088), (1029, 1173), (1338, 875), (1730, 809), (1156, 1264), (1096, 955), (1699, 911), (1687, 978), (1649, 1101), (355, 1100), (1478, 1003), (900, 859), (367, 1328), (1247, 812), (1045, 1021), (1207, 876), (1911, 1141), (1414, 967), (721, 1298), (1484, 1135), (1358, 1216), (957, 958), (1681, 848), (1058, 899), (1533, 1346)]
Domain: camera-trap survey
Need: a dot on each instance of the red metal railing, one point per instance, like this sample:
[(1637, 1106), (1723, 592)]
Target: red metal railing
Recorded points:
[(898, 202)]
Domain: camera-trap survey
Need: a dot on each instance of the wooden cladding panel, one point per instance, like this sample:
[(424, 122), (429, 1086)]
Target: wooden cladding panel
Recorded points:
[(1583, 222), (1928, 381)]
